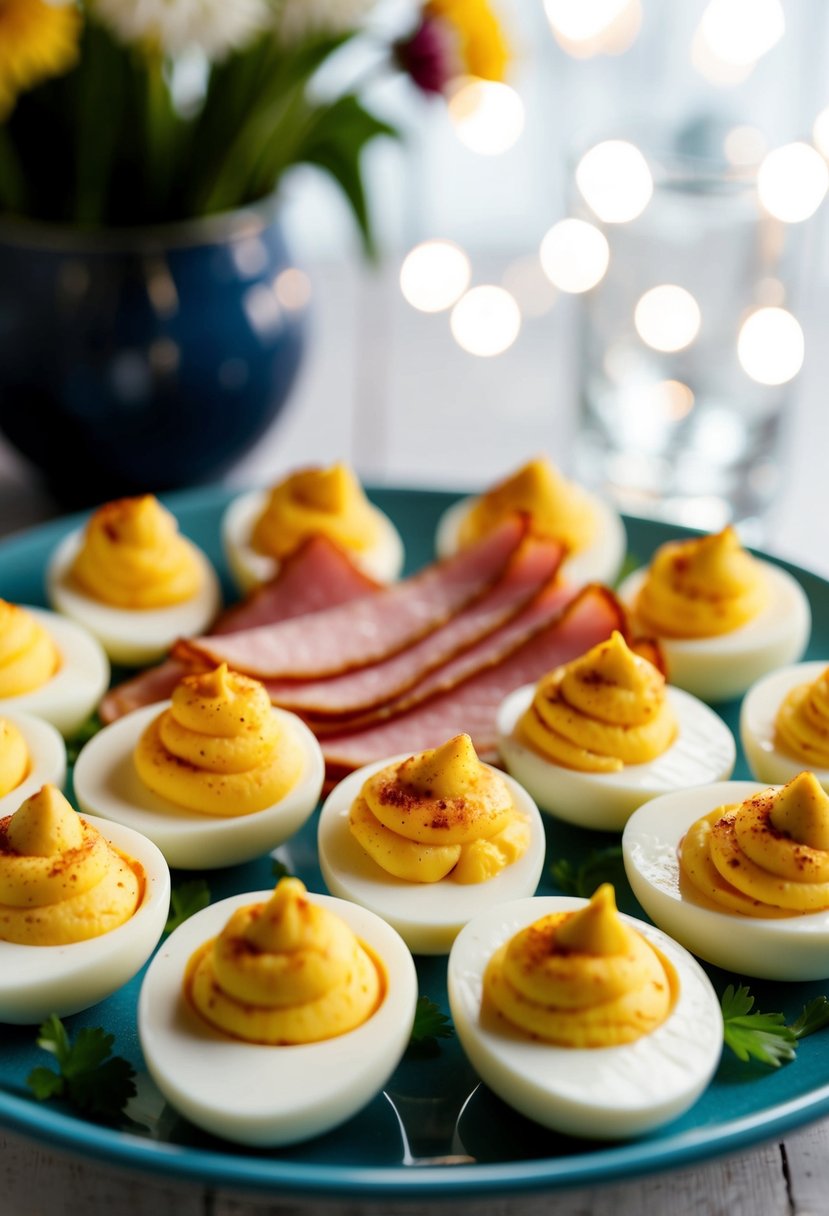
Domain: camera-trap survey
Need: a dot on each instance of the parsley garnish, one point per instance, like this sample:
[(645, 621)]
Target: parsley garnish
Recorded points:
[(762, 1036), (186, 899), (89, 1076), (602, 865), (81, 736), (430, 1023), (765, 1036)]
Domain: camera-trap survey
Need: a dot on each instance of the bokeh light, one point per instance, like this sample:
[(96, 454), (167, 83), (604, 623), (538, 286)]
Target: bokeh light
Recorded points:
[(584, 30), (667, 318), (488, 117), (434, 275), (716, 71), (574, 255), (486, 321), (792, 182), (615, 181), (744, 146), (770, 346), (741, 31)]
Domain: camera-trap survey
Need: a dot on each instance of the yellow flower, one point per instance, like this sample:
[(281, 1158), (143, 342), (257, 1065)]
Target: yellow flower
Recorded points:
[(483, 47), (37, 40)]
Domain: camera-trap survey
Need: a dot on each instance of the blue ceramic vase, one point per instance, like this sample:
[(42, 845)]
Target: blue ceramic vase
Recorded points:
[(148, 359)]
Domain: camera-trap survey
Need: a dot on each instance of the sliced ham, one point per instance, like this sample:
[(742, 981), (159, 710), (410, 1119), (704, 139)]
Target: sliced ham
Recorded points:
[(472, 705), (368, 629), (318, 575), (531, 569)]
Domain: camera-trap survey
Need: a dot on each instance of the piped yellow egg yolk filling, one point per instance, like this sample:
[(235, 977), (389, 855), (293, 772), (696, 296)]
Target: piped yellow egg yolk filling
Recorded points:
[(219, 749), (313, 501), (701, 588), (288, 971), (600, 712), (767, 856), (60, 880), (133, 557), (28, 656), (558, 509), (439, 813), (581, 979), (802, 723), (14, 757)]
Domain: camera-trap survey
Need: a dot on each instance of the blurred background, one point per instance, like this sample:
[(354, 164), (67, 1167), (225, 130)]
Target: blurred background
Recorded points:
[(522, 226)]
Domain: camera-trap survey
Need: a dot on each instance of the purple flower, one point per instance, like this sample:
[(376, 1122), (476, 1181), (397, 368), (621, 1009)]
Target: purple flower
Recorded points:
[(429, 55)]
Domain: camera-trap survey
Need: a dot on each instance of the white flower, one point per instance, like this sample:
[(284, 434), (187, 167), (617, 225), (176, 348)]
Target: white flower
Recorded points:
[(300, 19), (214, 26)]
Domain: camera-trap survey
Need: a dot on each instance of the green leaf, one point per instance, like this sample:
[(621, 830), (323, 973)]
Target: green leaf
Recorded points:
[(631, 563), (601, 865), (186, 899), (90, 1077), (430, 1022), (760, 1036), (813, 1017), (45, 1083)]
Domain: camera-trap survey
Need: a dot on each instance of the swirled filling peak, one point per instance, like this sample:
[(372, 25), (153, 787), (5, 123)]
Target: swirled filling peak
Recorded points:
[(285, 971), (219, 749), (766, 856), (701, 588), (28, 656), (313, 501), (581, 979), (558, 509), (133, 556), (439, 813), (14, 757), (60, 880), (600, 712), (802, 722)]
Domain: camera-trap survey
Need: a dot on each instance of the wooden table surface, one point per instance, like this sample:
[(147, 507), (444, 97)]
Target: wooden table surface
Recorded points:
[(388, 389)]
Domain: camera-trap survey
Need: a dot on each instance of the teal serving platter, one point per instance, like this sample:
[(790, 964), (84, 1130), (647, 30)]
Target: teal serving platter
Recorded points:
[(435, 1132)]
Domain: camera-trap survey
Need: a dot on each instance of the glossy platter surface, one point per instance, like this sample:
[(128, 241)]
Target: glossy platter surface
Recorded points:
[(435, 1132)]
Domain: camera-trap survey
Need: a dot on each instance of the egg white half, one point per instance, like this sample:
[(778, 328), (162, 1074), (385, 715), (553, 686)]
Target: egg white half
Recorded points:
[(600, 1093), (38, 980), (77, 686), (107, 784), (383, 561), (788, 948), (47, 759), (600, 562), (131, 636), (757, 715), (265, 1095), (723, 667), (427, 915), (703, 751)]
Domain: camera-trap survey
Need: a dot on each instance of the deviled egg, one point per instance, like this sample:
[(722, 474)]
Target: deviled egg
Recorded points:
[(590, 528), (589, 1022), (723, 618), (83, 904), (261, 528), (50, 667), (32, 754), (133, 581), (214, 777), (597, 737), (426, 841), (739, 873), (271, 1017), (784, 723)]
